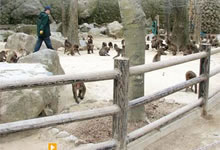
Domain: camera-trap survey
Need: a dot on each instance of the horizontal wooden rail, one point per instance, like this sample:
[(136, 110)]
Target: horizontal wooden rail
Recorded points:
[(57, 80), (57, 119), (166, 63), (146, 129), (99, 146), (165, 92), (215, 51)]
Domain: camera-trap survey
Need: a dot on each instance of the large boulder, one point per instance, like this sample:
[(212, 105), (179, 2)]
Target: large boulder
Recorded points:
[(28, 29), (47, 57), (115, 29), (30, 103), (19, 41)]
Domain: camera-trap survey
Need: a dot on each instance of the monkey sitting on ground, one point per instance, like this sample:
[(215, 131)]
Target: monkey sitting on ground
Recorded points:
[(71, 49), (110, 45), (147, 46), (190, 75), (12, 57), (158, 55), (90, 45), (79, 91), (104, 50), (118, 50), (3, 56)]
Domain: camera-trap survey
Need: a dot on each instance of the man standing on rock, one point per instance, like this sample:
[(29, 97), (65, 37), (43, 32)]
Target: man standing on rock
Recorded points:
[(43, 29)]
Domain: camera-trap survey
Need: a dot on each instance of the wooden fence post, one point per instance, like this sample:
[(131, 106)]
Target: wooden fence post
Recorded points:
[(119, 127), (205, 69)]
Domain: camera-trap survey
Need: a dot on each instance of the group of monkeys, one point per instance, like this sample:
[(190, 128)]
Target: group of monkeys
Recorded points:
[(71, 49), (157, 43), (9, 56), (106, 48)]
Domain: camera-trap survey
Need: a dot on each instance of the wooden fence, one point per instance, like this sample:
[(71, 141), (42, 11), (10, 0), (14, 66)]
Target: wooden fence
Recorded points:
[(121, 104)]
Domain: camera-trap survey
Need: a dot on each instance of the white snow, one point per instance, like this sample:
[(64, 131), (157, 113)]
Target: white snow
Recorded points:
[(21, 71)]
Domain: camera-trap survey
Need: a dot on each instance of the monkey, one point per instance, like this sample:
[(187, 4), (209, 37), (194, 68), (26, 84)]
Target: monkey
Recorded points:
[(71, 49), (118, 50), (147, 46), (214, 41), (158, 55), (12, 57), (110, 45), (90, 45), (67, 46), (79, 91), (148, 38), (3, 56), (190, 75), (171, 46), (104, 50)]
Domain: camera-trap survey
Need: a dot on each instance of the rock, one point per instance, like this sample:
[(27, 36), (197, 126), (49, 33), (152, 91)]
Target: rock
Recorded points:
[(47, 57), (71, 139), (54, 131), (28, 29), (86, 27), (29, 103), (62, 134), (95, 32), (4, 34), (80, 142), (19, 41), (115, 29), (57, 42)]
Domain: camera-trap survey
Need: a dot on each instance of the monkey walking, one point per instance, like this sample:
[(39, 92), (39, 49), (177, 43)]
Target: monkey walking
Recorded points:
[(3, 56), (190, 75), (79, 91)]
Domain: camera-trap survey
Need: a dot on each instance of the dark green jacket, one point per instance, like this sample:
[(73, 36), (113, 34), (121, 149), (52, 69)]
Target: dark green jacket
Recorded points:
[(43, 23)]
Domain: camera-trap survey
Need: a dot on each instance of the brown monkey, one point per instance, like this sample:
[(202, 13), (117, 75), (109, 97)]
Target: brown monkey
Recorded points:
[(147, 46), (171, 46), (158, 55), (190, 75), (110, 45), (12, 57), (79, 91), (104, 50), (90, 45), (3, 56), (74, 49), (118, 50), (67, 46)]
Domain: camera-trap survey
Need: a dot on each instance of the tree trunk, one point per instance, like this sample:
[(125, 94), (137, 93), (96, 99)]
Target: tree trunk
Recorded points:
[(180, 34), (70, 20), (133, 20)]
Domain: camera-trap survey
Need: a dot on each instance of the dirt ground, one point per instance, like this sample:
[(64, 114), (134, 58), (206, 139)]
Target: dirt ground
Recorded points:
[(100, 130), (199, 134)]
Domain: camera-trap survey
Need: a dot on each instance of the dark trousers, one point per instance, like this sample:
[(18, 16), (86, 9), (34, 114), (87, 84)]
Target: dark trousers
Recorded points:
[(40, 40)]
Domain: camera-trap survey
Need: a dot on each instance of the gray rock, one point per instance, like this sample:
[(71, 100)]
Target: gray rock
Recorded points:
[(62, 134), (54, 131), (19, 41), (70, 139), (115, 29), (47, 57), (29, 103)]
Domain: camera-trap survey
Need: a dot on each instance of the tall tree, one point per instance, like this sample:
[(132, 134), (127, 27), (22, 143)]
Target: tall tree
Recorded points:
[(70, 20), (180, 34), (133, 20)]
